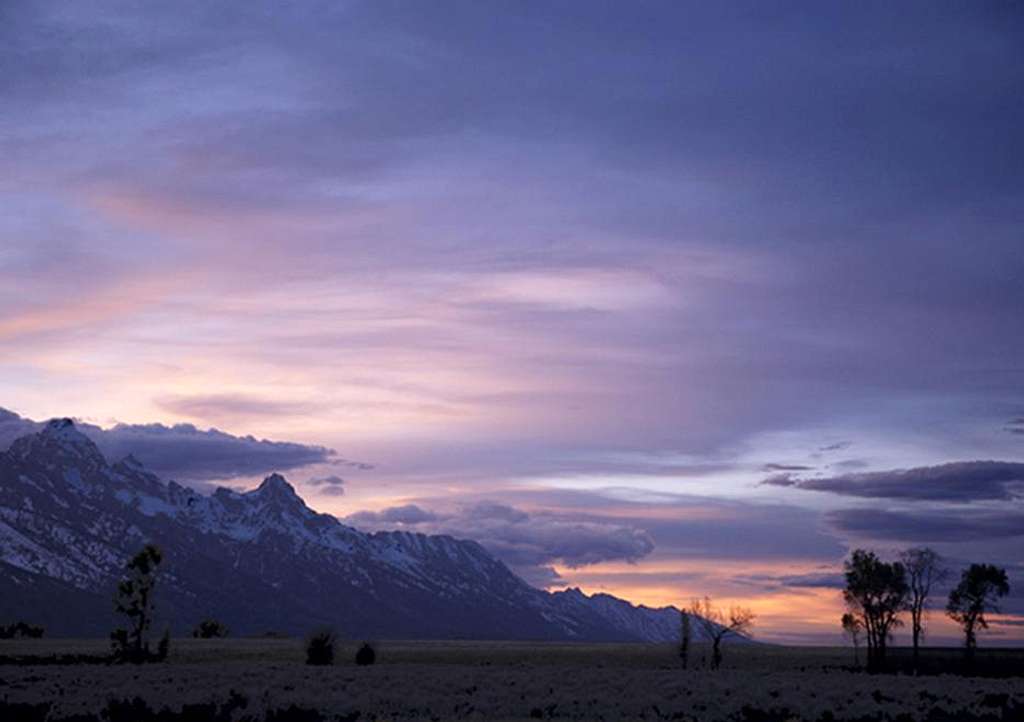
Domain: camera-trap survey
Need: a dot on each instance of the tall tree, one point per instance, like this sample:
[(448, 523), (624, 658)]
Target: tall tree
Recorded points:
[(685, 634), (979, 588), (718, 625), (876, 592), (852, 628), (924, 570), (134, 599)]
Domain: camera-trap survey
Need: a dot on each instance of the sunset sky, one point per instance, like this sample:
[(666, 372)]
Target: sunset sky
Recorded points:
[(658, 299)]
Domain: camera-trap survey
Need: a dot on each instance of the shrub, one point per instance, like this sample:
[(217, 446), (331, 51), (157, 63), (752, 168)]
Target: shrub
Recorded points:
[(365, 655), (163, 647), (21, 629), (209, 629), (320, 647)]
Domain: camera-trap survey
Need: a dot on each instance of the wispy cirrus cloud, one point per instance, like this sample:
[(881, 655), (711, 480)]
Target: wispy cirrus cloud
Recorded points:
[(227, 406)]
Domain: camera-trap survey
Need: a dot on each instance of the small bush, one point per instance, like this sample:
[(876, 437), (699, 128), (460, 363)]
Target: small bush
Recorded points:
[(209, 629), (365, 655), (163, 647), (294, 714), (320, 647)]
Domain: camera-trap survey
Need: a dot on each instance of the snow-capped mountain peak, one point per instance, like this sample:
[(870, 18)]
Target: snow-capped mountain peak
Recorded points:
[(59, 438), (259, 559), (276, 487)]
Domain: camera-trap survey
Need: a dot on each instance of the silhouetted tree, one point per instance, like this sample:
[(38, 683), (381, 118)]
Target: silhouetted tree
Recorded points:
[(21, 629), (365, 655), (685, 634), (852, 628), (717, 625), (979, 588), (924, 570), (876, 592), (134, 599), (163, 647), (320, 647), (209, 629)]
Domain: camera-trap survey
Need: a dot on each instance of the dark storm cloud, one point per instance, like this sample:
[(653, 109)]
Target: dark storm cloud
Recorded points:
[(785, 467), (961, 481), (184, 452), (961, 525)]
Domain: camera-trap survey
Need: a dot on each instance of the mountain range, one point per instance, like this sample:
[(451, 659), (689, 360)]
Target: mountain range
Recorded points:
[(260, 561)]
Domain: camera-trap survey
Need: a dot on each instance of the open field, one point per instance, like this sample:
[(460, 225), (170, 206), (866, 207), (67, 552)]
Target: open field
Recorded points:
[(245, 679)]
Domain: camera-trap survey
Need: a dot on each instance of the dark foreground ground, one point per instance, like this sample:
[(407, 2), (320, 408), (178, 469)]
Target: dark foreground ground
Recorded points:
[(256, 680)]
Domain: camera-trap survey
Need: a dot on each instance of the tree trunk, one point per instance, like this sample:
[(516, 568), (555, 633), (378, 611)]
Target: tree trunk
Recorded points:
[(917, 643)]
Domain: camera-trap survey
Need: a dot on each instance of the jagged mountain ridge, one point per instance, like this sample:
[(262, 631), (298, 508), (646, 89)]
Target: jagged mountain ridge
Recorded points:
[(259, 560)]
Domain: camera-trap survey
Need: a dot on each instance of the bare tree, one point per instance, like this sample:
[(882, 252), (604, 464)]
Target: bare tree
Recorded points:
[(717, 626), (685, 634), (924, 570), (852, 627)]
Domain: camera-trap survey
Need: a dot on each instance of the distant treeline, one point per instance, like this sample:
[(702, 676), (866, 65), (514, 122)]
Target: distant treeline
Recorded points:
[(21, 629)]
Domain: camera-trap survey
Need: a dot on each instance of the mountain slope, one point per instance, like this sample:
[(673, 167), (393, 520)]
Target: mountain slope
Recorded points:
[(260, 560)]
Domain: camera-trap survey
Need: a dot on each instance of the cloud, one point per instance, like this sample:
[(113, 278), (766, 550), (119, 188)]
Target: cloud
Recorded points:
[(781, 480), (535, 540), (529, 543), (541, 577), (184, 452), (962, 482), (221, 406), (13, 426), (405, 515), (1015, 426), (809, 580), (838, 446), (961, 525), (332, 485), (786, 467)]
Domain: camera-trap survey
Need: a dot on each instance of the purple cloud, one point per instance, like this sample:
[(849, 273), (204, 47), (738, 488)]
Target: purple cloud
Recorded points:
[(961, 481), (184, 452), (332, 485), (405, 515), (929, 526), (529, 543)]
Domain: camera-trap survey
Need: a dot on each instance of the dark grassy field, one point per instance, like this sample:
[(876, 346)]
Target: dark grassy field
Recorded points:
[(266, 679)]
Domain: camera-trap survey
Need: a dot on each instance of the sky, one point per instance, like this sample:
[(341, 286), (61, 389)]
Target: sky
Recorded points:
[(654, 299)]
